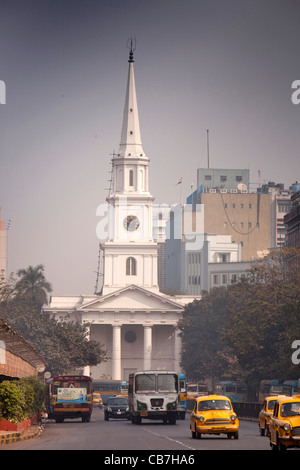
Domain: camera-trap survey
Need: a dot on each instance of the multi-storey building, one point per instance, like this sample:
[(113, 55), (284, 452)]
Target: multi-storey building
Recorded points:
[(280, 204), (292, 222)]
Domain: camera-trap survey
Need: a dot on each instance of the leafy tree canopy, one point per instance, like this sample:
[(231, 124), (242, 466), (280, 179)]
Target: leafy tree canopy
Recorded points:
[(63, 345), (245, 331)]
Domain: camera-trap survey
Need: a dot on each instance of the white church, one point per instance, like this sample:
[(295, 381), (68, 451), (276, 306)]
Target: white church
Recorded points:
[(134, 322)]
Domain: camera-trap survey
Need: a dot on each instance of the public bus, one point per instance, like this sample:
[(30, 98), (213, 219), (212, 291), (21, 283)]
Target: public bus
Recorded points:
[(236, 391), (271, 387), (291, 387), (153, 395), (70, 396), (182, 397), (194, 389), (109, 388)]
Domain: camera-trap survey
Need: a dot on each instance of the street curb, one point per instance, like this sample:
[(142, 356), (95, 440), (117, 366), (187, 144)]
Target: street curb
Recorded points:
[(10, 437)]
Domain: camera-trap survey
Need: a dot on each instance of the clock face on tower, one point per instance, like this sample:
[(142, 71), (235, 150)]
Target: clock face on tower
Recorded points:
[(131, 223)]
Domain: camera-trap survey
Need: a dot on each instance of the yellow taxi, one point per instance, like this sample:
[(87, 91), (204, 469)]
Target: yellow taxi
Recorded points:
[(213, 414), (265, 414), (97, 399), (285, 423)]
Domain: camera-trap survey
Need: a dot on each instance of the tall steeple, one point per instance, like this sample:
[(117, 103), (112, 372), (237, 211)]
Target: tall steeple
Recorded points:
[(130, 253), (131, 142)]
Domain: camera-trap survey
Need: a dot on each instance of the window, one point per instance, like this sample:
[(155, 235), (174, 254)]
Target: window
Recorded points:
[(131, 266), (224, 278), (223, 178), (207, 177), (215, 279), (130, 177), (239, 178)]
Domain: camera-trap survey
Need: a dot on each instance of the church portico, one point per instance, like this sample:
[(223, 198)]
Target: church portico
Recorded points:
[(135, 347)]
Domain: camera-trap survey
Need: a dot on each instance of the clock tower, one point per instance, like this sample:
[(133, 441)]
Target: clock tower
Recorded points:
[(130, 253)]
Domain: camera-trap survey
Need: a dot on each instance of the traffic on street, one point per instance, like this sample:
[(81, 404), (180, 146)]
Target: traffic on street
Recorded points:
[(153, 437)]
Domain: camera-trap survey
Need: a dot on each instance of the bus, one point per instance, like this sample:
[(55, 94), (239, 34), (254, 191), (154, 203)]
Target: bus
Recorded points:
[(182, 397), (236, 391), (70, 396), (153, 395), (291, 387), (110, 388), (196, 388), (271, 387)]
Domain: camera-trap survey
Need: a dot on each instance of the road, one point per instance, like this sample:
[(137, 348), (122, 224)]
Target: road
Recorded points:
[(114, 435)]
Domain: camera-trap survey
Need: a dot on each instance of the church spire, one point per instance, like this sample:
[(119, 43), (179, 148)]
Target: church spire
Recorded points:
[(131, 142)]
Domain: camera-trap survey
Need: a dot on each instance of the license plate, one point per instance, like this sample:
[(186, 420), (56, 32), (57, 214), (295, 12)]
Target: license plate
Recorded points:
[(118, 412)]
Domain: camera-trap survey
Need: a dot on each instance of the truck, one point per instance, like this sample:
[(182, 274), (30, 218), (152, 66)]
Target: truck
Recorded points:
[(70, 396), (153, 395)]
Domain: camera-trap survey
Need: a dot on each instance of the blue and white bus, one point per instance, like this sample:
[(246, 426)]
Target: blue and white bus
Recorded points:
[(236, 391), (110, 388)]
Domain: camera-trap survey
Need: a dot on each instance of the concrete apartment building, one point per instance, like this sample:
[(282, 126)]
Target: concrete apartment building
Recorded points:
[(242, 215)]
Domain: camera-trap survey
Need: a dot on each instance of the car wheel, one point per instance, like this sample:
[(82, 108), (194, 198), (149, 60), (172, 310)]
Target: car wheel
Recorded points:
[(193, 433), (273, 445)]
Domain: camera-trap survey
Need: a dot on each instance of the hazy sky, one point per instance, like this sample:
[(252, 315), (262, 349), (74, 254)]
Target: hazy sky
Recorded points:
[(222, 65)]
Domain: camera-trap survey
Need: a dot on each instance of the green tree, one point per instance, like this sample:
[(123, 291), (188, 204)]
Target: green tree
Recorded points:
[(204, 354), (33, 282), (263, 317), (246, 331), (63, 345)]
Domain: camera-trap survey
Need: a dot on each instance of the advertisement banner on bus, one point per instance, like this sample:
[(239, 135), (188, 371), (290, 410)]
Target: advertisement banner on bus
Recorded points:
[(71, 395)]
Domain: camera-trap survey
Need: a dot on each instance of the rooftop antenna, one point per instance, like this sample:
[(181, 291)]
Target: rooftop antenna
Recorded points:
[(207, 144), (131, 44)]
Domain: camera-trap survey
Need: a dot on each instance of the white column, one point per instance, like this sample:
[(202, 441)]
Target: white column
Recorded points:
[(87, 368), (116, 353), (147, 347), (177, 350)]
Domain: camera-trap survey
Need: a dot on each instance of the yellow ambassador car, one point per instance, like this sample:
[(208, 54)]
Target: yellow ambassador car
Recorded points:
[(97, 399), (266, 413), (213, 414), (285, 423)]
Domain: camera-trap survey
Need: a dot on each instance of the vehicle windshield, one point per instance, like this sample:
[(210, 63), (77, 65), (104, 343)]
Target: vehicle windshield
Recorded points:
[(271, 405), (167, 383), (117, 401), (145, 383), (205, 405), (159, 382), (78, 384), (290, 409)]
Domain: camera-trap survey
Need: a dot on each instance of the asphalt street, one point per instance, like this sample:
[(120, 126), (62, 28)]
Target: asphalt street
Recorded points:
[(122, 435)]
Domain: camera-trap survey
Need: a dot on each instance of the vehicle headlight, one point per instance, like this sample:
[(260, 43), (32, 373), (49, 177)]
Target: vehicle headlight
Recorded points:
[(141, 406), (201, 419), (233, 417), (171, 406), (109, 409), (287, 427), (127, 409)]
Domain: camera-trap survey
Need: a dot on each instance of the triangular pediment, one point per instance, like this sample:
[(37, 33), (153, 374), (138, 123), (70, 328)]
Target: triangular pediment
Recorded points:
[(132, 298)]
